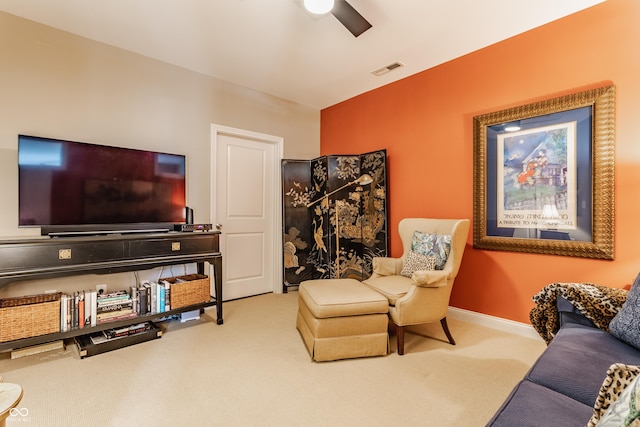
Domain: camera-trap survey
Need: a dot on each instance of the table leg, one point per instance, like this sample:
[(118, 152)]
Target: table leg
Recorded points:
[(217, 270)]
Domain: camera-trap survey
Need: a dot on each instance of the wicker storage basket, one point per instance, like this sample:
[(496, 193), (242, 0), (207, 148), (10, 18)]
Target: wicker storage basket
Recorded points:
[(29, 316), (188, 290)]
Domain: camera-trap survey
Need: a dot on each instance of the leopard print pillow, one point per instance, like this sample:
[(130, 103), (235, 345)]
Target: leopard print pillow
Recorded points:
[(414, 261), (618, 377)]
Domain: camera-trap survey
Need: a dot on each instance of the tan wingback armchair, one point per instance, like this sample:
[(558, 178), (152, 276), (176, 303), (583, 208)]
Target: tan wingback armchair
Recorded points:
[(423, 297)]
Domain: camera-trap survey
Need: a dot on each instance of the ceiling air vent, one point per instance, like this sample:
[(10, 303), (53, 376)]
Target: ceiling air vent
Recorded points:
[(387, 68)]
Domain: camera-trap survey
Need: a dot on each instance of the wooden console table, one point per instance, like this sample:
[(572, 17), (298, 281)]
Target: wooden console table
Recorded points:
[(45, 258)]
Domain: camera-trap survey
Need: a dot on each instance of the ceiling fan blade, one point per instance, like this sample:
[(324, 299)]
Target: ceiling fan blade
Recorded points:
[(350, 18)]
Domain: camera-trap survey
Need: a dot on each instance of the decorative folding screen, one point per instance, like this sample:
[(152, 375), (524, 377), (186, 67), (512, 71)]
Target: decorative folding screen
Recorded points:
[(332, 226)]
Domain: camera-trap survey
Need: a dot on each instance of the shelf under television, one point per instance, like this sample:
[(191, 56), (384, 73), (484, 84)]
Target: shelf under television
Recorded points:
[(41, 339)]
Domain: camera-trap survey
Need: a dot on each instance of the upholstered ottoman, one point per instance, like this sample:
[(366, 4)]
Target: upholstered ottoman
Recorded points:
[(342, 319)]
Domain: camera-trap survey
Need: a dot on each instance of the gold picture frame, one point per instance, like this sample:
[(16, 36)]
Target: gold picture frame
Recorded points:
[(544, 176)]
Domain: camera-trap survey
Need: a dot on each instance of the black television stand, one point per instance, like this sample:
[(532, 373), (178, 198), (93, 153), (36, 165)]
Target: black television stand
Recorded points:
[(44, 258)]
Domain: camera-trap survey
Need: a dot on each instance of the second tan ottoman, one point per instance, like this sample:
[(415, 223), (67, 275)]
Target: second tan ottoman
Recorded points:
[(342, 319)]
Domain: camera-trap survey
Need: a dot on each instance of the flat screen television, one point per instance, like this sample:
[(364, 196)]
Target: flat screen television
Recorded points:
[(68, 187)]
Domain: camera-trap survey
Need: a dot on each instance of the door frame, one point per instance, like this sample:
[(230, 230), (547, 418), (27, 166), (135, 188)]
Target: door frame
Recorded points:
[(278, 143)]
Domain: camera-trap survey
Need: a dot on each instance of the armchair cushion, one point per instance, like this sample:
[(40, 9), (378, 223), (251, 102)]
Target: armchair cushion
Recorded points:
[(414, 261), (392, 287), (432, 245)]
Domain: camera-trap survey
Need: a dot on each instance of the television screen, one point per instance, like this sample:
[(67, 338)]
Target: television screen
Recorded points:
[(67, 184)]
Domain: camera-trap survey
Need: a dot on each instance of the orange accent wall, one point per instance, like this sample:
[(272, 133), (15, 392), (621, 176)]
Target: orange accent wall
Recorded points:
[(425, 123)]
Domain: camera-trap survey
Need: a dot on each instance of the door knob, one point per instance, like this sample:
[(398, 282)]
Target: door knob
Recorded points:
[(218, 226)]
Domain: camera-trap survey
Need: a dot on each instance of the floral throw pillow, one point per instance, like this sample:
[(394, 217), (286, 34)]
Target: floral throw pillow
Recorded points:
[(625, 411), (436, 245), (414, 261), (618, 378)]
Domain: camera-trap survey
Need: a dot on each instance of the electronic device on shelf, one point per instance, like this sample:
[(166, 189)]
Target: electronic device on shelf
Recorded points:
[(192, 227), (71, 187)]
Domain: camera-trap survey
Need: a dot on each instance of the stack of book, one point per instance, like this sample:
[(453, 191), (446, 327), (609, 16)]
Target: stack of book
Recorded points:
[(151, 297), (78, 310), (89, 308), (114, 306), (125, 331)]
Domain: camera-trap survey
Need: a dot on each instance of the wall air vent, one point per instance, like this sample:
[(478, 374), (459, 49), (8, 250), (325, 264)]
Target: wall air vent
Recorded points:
[(387, 68)]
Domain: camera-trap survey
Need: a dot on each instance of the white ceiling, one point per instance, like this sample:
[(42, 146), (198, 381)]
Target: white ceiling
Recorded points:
[(276, 47)]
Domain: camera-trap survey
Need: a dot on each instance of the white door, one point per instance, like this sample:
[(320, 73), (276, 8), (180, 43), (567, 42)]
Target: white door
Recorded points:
[(246, 208)]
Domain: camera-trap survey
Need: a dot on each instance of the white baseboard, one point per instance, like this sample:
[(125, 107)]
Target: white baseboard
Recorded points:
[(504, 325)]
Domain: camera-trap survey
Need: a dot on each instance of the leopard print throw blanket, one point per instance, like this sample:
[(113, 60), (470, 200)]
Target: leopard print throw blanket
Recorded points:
[(596, 302)]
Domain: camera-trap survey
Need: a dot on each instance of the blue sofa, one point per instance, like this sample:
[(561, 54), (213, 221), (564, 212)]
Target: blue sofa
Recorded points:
[(562, 386)]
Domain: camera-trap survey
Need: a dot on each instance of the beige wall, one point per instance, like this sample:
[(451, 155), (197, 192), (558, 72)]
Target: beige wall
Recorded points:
[(55, 84)]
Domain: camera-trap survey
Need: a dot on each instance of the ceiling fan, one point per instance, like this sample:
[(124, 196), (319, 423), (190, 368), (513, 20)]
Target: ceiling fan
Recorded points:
[(343, 11)]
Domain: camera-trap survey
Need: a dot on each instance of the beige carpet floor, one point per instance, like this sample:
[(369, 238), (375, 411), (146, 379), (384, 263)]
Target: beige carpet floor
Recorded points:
[(255, 371)]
